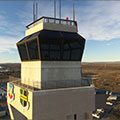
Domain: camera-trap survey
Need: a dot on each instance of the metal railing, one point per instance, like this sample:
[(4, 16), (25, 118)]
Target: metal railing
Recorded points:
[(60, 21), (86, 81), (58, 84), (53, 21), (24, 86), (34, 85)]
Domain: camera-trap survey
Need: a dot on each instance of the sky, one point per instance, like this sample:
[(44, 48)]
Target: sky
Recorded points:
[(98, 22)]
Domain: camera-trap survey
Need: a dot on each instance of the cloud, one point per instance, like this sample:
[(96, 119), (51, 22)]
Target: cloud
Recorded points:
[(100, 21), (3, 22), (10, 32), (96, 20), (45, 8), (7, 44)]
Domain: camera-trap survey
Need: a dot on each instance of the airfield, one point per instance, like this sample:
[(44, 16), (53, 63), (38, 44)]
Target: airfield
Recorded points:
[(105, 76)]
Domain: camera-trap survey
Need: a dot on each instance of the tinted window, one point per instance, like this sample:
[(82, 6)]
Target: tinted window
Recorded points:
[(45, 51), (33, 49), (75, 54), (75, 50), (54, 46), (55, 52), (22, 51), (74, 44), (66, 52), (50, 49)]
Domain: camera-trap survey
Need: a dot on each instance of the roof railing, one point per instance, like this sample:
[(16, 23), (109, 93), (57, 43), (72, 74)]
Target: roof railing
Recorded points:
[(51, 84), (52, 21)]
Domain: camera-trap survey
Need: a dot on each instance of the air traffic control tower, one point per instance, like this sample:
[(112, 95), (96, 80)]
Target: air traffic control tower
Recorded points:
[(51, 87)]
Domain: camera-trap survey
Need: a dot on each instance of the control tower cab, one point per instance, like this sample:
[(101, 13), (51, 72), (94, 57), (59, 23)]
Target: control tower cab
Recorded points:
[(51, 87)]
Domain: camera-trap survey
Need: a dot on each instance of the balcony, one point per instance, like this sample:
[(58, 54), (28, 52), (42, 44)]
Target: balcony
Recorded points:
[(53, 84)]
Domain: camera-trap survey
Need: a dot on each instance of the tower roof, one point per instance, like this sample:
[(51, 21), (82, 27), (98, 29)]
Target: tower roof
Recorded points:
[(48, 23)]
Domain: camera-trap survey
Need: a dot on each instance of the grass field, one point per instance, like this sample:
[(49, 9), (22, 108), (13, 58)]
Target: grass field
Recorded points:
[(105, 76)]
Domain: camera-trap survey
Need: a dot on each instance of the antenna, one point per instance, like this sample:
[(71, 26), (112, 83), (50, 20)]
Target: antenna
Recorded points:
[(36, 10), (54, 8), (73, 13), (33, 11), (60, 9), (35, 7)]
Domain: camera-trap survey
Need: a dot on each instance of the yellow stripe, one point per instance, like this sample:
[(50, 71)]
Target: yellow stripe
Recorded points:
[(23, 96), (24, 99)]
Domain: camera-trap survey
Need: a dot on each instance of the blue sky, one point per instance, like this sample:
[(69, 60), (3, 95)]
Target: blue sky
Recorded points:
[(98, 23)]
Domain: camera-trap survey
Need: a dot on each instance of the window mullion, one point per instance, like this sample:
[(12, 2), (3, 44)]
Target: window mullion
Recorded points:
[(27, 50)]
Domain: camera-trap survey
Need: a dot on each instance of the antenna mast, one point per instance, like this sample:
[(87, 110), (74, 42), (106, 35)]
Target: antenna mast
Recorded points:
[(35, 6), (54, 8), (33, 11), (60, 9), (36, 10), (73, 13)]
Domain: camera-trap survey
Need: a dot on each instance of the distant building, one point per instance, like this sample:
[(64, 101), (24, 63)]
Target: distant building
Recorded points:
[(51, 87)]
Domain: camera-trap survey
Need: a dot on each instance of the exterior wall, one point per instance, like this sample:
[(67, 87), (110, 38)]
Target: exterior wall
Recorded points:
[(31, 73), (17, 105), (62, 104), (61, 74), (46, 74), (34, 29), (17, 115), (54, 104)]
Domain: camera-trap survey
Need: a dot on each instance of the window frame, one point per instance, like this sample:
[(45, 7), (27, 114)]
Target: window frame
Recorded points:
[(20, 53), (28, 54), (34, 38)]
